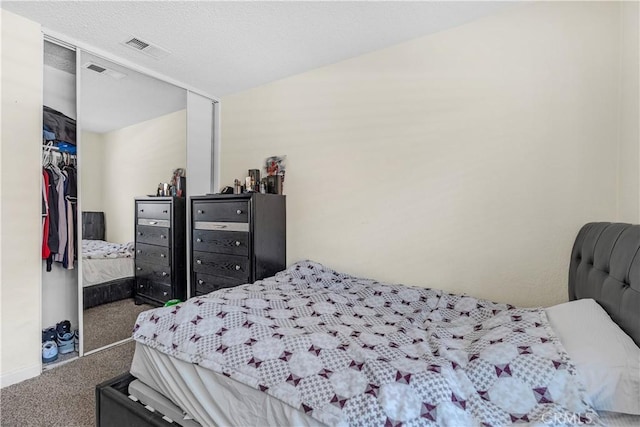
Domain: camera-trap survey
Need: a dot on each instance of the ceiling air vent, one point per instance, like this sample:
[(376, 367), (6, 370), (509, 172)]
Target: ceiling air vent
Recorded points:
[(146, 47), (137, 44), (104, 70), (96, 68)]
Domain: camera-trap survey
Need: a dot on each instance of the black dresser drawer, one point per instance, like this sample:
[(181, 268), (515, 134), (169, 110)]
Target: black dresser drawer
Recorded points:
[(154, 273), (155, 290), (206, 283), (153, 235), (233, 266), (222, 211), (154, 210), (153, 254), (224, 242)]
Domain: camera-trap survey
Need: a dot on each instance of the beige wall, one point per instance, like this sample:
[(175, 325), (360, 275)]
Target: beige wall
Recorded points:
[(135, 160), (466, 160), (20, 178), (629, 179), (92, 171)]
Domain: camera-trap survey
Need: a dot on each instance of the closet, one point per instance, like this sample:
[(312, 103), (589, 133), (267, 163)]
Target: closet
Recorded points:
[(60, 202), (111, 165)]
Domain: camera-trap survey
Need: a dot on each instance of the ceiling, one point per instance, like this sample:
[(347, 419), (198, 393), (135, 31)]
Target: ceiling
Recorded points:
[(109, 103), (225, 47)]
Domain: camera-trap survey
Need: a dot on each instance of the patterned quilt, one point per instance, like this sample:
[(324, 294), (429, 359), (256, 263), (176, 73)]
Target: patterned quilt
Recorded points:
[(350, 351), (96, 249)]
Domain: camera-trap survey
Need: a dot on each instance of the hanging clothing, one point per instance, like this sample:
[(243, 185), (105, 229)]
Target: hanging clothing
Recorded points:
[(45, 226), (53, 212), (59, 196)]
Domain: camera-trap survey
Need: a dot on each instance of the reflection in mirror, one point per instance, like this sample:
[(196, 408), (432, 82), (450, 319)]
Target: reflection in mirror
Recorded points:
[(133, 138)]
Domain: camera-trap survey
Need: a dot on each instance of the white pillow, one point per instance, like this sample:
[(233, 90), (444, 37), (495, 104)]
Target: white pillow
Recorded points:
[(607, 359)]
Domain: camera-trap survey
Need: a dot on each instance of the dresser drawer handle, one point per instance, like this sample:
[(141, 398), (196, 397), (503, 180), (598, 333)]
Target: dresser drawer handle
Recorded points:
[(165, 293), (239, 211), (141, 286), (141, 210), (162, 255), (162, 236), (237, 267), (164, 274), (200, 282), (198, 261), (153, 222), (139, 268), (139, 233), (139, 251), (237, 243), (165, 211), (200, 211), (198, 240)]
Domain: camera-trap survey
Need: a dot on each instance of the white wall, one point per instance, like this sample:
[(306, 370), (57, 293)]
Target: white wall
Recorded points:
[(60, 91), (20, 198), (59, 295), (199, 139), (92, 172), (465, 160), (629, 179), (136, 159)]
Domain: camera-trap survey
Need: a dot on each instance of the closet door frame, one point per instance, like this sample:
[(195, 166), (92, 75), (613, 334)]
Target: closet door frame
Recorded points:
[(80, 48)]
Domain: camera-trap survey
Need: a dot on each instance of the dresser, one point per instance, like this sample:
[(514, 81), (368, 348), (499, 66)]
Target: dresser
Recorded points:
[(236, 239), (160, 257)]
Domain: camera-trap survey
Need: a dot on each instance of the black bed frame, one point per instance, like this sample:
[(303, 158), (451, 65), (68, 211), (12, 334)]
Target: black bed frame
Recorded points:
[(115, 409), (106, 292), (605, 266)]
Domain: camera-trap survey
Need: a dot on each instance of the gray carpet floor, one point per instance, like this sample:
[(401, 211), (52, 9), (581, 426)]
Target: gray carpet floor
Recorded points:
[(63, 396), (109, 323)]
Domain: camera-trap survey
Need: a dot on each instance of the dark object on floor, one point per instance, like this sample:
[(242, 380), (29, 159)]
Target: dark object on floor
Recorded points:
[(115, 409)]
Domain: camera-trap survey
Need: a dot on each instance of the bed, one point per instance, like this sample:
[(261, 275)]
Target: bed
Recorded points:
[(312, 346), (107, 268)]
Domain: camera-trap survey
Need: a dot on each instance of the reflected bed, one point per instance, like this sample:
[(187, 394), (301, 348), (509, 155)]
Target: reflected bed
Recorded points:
[(107, 268)]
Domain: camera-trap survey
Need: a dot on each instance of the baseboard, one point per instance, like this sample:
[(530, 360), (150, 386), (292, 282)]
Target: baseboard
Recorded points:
[(20, 375)]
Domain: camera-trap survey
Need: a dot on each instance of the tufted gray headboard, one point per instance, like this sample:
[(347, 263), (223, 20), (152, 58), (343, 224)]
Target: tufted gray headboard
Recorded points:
[(93, 225), (605, 266)]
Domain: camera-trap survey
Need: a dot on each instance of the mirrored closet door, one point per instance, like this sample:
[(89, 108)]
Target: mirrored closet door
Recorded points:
[(133, 138)]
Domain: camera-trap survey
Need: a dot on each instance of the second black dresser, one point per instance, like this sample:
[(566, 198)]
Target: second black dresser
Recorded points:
[(236, 239), (161, 257)]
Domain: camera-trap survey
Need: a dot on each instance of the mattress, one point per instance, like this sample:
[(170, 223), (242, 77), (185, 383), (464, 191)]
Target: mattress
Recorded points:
[(100, 270), (208, 397)]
